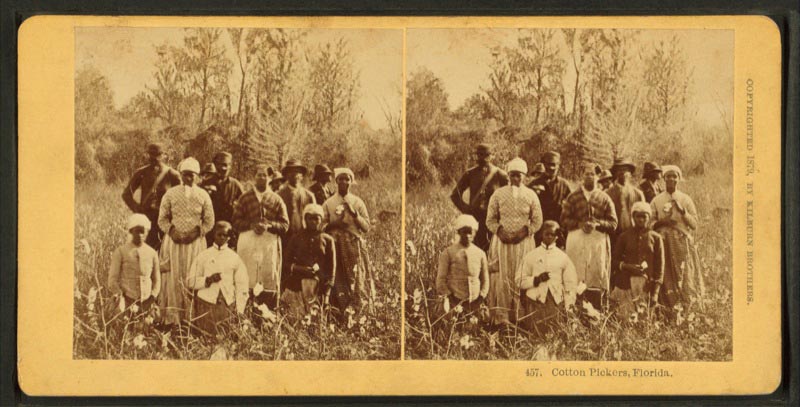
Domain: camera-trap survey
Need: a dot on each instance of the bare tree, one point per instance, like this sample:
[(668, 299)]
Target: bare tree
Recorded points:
[(202, 59)]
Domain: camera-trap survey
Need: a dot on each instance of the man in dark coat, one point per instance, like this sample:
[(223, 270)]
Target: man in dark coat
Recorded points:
[(229, 190), (651, 186), (322, 177), (552, 190), (153, 180), (472, 192)]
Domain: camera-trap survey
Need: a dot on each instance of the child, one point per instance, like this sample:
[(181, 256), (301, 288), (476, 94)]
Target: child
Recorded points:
[(547, 279), (463, 275), (637, 263), (134, 275), (310, 264), (220, 278)]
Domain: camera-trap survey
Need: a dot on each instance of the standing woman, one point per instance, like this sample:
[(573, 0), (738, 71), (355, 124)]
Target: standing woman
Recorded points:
[(186, 215), (347, 221), (675, 218), (515, 214)]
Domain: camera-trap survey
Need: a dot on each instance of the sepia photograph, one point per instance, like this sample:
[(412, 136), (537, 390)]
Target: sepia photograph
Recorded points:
[(238, 193), (569, 194)]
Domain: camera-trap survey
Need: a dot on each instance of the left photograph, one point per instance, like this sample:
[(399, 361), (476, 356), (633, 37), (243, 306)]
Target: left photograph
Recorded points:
[(238, 193)]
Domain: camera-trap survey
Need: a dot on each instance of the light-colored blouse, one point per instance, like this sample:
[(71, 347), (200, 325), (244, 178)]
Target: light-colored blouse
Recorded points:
[(463, 272), (514, 208), (664, 209), (185, 208)]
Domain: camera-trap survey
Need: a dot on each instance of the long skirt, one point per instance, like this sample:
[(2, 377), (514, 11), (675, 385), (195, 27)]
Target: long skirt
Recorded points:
[(683, 279), (175, 297), (300, 302), (211, 319), (503, 292), (537, 317), (591, 255), (627, 300), (349, 286), (261, 255)]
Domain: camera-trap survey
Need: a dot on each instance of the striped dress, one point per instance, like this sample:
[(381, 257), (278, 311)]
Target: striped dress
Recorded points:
[(184, 208), (512, 208)]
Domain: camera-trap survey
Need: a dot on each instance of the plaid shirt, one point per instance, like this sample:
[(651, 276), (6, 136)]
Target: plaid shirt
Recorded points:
[(271, 209), (598, 208)]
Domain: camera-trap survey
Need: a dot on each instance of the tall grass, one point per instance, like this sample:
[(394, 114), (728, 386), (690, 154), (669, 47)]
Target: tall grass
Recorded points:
[(100, 217), (694, 335)]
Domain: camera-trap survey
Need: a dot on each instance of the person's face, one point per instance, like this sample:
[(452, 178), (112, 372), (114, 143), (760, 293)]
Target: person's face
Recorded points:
[(606, 183), (671, 181), (640, 219), (187, 177), (155, 158), (548, 236), (466, 235), (137, 235), (294, 177), (208, 177), (313, 221), (275, 184), (221, 235), (589, 178), (551, 166), (325, 178), (261, 179), (343, 184), (223, 166), (654, 176), (623, 175), (516, 178), (482, 157)]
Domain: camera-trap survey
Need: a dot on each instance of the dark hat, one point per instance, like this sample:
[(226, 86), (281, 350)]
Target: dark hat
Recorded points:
[(538, 168), (650, 167), (483, 148), (155, 149), (209, 168), (604, 175), (551, 155), (320, 169), (276, 176), (623, 163), (294, 165)]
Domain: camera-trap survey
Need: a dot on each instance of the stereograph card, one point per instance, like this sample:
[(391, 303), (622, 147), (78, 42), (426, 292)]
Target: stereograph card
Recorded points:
[(259, 206)]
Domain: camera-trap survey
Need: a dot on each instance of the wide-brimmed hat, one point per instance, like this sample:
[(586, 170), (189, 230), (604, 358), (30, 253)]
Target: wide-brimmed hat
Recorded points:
[(209, 168), (623, 163), (320, 169), (605, 174), (650, 167), (294, 165)]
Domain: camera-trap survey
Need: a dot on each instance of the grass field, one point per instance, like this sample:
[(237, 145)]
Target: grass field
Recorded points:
[(695, 335), (100, 217)]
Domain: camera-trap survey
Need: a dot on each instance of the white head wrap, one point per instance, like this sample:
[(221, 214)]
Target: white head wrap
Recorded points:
[(343, 170), (672, 168), (641, 207), (465, 221), (138, 219), (189, 164), (313, 209), (518, 165)]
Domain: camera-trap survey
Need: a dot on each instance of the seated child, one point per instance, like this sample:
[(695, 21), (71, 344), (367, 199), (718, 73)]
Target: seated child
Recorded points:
[(220, 278), (463, 275), (134, 276), (547, 279), (309, 264), (637, 263)]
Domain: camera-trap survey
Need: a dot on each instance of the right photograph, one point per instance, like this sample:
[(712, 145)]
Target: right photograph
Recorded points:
[(569, 194)]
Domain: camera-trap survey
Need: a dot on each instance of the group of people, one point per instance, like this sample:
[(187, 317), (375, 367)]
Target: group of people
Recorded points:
[(525, 251), (203, 247)]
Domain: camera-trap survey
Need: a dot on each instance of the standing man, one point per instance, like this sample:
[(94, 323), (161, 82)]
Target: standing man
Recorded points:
[(589, 218), (322, 177), (552, 190), (651, 186), (295, 196), (623, 194), (472, 192), (229, 190), (153, 180)]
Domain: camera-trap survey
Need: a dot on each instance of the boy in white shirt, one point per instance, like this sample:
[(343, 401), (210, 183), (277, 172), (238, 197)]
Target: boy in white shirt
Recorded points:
[(548, 282), (220, 278)]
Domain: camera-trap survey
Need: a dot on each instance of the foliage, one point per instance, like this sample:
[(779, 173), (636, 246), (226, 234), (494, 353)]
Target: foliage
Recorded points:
[(101, 333), (693, 334)]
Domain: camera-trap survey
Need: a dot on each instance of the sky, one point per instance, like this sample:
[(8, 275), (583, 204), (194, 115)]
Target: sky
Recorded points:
[(126, 57), (461, 58)]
